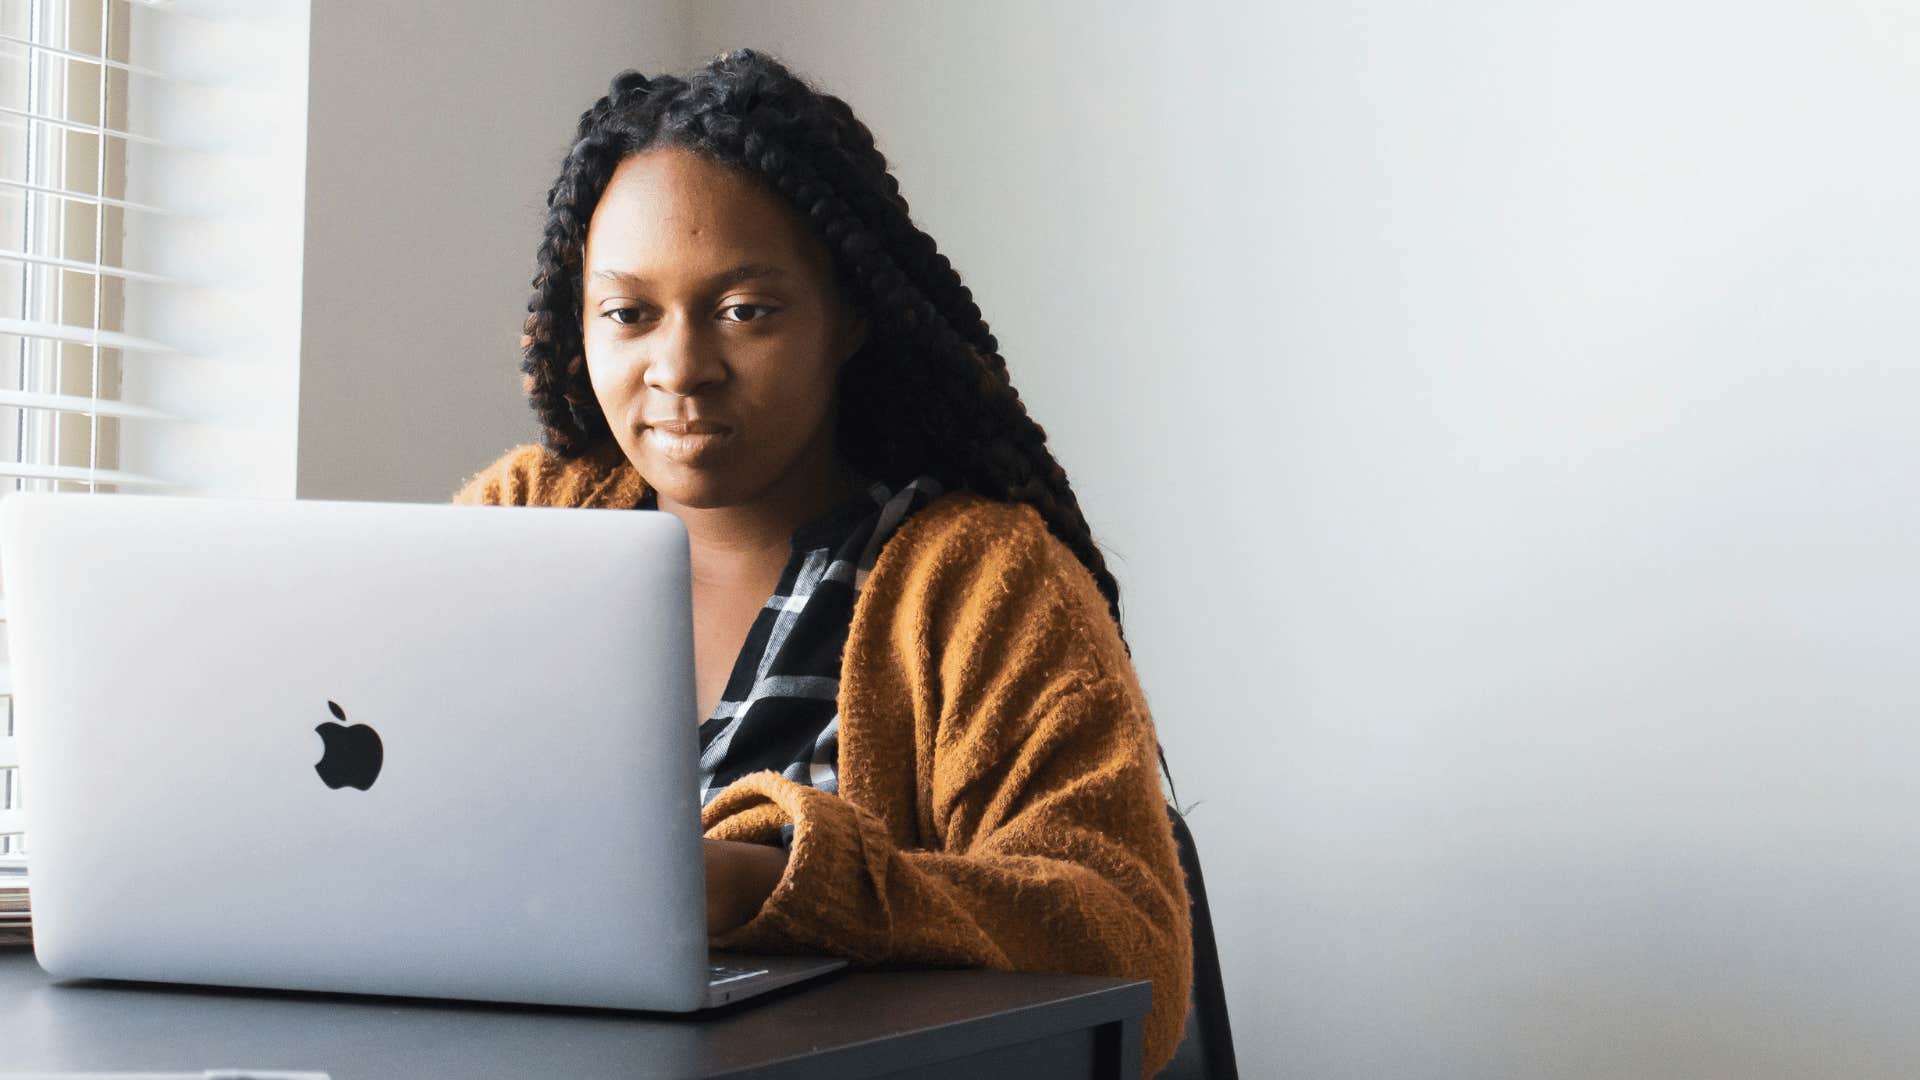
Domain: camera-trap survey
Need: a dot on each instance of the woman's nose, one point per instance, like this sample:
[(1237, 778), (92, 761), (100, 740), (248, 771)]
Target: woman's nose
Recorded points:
[(682, 360)]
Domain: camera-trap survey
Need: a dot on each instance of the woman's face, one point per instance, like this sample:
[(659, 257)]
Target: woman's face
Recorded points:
[(713, 331)]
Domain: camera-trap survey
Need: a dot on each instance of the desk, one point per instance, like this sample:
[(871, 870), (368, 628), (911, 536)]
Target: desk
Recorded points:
[(853, 1024)]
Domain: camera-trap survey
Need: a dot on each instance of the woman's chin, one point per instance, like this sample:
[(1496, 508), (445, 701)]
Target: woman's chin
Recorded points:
[(701, 484), (697, 489)]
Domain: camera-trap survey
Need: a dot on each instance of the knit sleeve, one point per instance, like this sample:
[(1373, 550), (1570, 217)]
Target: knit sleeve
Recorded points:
[(600, 477), (1037, 840)]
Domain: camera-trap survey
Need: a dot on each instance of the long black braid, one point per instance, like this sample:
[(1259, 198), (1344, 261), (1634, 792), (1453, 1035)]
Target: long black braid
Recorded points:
[(928, 391)]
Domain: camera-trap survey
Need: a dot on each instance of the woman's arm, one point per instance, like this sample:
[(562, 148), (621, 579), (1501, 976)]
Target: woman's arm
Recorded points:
[(1063, 873)]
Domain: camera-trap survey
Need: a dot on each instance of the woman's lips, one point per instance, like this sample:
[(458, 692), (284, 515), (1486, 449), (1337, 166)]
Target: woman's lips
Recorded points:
[(687, 427), (687, 442)]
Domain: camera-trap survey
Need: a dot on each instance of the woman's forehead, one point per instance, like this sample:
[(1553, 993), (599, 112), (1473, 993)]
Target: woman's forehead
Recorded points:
[(669, 214)]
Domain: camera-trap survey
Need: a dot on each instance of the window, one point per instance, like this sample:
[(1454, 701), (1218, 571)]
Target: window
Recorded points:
[(62, 219)]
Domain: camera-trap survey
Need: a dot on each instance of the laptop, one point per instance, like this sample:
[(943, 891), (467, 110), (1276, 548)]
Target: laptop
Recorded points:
[(378, 748)]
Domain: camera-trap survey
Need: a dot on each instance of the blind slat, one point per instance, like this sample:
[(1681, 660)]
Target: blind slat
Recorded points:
[(12, 822), (90, 58), (86, 267), (81, 335), (83, 197), (79, 474), (91, 129), (74, 403)]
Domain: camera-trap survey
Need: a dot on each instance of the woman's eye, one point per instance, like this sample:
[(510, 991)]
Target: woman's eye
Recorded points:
[(763, 310), (625, 316)]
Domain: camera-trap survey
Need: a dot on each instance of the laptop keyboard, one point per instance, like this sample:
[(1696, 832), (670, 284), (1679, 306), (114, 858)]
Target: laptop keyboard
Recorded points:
[(726, 973)]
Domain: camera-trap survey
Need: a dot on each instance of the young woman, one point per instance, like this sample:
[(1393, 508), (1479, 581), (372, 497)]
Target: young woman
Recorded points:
[(922, 740)]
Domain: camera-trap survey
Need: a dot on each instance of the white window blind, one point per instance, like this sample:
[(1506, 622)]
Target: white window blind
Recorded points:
[(67, 91)]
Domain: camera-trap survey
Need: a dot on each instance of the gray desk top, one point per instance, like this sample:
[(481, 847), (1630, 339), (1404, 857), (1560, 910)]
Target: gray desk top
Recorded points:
[(856, 1023)]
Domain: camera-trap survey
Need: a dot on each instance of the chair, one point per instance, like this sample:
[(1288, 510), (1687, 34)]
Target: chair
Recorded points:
[(1206, 1050)]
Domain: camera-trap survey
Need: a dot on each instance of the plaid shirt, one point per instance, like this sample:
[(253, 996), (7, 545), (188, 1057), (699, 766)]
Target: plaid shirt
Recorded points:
[(780, 709)]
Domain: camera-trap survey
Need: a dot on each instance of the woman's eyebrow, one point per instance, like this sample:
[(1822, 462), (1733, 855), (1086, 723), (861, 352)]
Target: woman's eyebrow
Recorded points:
[(721, 280)]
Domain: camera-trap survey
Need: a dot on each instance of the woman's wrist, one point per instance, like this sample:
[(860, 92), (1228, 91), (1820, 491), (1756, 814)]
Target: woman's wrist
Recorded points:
[(740, 878)]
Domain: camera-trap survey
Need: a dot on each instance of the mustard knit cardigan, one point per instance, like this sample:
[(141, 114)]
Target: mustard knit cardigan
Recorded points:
[(999, 805)]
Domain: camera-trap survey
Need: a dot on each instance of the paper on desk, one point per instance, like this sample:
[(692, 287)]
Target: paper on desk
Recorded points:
[(16, 915)]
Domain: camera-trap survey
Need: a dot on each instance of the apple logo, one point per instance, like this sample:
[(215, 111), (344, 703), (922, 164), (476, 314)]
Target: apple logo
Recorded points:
[(352, 755)]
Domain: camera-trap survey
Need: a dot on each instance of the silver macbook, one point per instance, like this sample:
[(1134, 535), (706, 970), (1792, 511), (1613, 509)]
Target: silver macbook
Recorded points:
[(380, 748)]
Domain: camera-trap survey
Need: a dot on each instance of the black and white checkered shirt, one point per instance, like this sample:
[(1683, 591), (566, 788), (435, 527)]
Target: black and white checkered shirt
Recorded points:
[(780, 708)]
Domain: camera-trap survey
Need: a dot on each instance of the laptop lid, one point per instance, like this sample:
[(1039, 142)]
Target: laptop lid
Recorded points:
[(506, 808)]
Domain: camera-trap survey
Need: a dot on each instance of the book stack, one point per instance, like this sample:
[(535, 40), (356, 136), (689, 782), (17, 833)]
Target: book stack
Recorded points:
[(16, 916)]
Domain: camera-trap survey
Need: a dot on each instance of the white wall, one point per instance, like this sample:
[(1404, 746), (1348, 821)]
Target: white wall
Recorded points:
[(1503, 416), (435, 128)]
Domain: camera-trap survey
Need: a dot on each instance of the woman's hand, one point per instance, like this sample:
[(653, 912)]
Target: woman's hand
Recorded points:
[(740, 877)]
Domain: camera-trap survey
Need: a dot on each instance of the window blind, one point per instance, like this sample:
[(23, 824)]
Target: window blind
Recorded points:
[(67, 90)]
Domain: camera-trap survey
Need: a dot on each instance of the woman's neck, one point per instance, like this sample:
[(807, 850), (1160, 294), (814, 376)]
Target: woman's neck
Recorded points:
[(752, 540)]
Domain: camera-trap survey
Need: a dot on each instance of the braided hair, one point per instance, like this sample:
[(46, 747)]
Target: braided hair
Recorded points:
[(927, 392)]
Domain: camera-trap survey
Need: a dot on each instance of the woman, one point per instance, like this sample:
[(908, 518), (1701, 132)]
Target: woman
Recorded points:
[(922, 740)]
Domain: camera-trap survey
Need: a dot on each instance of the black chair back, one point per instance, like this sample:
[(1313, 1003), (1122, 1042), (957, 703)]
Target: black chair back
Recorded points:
[(1206, 1050)]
